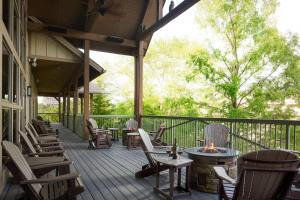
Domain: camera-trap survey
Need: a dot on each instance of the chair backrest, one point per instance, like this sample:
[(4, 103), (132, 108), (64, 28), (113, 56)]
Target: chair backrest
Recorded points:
[(147, 146), (34, 131), (27, 142), (217, 134), (90, 128), (93, 123), (21, 169), (33, 138), (132, 124), (265, 174), (160, 132)]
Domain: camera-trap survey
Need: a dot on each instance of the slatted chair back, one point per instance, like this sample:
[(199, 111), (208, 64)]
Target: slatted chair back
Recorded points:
[(93, 123), (91, 129), (132, 124), (265, 174), (27, 142), (20, 168), (160, 132), (40, 126), (217, 134), (33, 130), (33, 138), (147, 146)]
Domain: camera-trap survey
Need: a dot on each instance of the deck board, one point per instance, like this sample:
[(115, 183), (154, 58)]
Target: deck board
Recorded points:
[(108, 173)]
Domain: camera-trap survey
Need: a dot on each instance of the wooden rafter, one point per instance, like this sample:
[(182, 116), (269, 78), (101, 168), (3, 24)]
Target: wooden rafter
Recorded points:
[(178, 10)]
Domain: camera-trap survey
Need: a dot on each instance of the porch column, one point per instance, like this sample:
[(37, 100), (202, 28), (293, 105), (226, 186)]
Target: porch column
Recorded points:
[(59, 109), (81, 105), (138, 83), (86, 77), (91, 103), (75, 104), (68, 106), (64, 108)]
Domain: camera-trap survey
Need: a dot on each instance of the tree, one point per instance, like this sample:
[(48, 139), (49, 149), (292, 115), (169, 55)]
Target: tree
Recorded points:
[(247, 61), (102, 105)]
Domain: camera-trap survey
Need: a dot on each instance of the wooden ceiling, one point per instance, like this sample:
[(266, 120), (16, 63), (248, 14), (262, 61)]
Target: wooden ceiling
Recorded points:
[(124, 19)]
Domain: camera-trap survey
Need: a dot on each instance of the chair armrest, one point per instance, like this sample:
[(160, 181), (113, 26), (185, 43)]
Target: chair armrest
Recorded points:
[(156, 152), (161, 147), (54, 164), (52, 179), (221, 174), (52, 135), (50, 144), (51, 153)]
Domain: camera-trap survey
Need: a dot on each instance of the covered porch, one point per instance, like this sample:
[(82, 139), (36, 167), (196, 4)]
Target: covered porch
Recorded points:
[(106, 173)]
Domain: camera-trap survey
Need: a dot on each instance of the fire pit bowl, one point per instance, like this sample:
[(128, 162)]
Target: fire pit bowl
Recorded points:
[(203, 176)]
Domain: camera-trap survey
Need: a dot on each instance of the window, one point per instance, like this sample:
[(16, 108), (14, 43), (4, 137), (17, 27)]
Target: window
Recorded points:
[(15, 82), (5, 72), (15, 126), (6, 13), (5, 124)]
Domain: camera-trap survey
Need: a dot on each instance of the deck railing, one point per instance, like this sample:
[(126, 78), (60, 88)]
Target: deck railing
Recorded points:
[(245, 134), (52, 117)]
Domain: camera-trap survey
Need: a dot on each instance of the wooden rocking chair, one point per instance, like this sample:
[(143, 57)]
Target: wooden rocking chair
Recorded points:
[(66, 186), (42, 137), (216, 134), (262, 175), (150, 152), (100, 138)]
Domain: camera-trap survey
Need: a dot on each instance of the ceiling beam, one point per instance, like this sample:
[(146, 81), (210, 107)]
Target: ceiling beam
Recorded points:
[(77, 34), (178, 10)]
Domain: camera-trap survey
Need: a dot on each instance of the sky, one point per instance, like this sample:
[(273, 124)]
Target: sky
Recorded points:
[(287, 16)]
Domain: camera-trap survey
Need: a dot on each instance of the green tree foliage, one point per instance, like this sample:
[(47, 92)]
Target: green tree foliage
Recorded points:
[(250, 65), (102, 105)]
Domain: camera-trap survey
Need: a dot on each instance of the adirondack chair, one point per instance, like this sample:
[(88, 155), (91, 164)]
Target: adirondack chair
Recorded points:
[(35, 158), (41, 129), (131, 127), (265, 174), (42, 137), (216, 134), (156, 135), (65, 186), (99, 138), (151, 152), (96, 127), (46, 146)]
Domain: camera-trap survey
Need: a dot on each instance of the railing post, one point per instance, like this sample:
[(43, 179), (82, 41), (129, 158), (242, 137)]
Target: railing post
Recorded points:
[(172, 131), (231, 135), (287, 136)]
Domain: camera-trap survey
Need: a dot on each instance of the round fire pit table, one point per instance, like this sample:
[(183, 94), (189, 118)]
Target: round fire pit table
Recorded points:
[(203, 176)]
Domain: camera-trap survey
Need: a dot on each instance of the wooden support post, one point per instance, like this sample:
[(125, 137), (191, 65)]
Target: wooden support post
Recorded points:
[(159, 9), (64, 108), (86, 77), (138, 83), (59, 109), (68, 106), (91, 103), (75, 105), (81, 105)]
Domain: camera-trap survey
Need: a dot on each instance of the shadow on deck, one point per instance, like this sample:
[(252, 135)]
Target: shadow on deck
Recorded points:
[(107, 173)]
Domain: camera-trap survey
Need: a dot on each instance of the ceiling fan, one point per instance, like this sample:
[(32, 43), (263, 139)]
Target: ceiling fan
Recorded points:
[(105, 7)]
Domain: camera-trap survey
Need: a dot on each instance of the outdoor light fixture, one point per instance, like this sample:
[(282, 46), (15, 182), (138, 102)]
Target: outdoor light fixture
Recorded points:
[(33, 61), (29, 92)]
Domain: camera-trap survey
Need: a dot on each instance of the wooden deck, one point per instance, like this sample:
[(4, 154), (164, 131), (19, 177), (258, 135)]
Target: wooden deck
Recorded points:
[(107, 173)]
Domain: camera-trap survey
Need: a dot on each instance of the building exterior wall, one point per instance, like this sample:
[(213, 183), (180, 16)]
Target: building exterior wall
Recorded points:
[(15, 75)]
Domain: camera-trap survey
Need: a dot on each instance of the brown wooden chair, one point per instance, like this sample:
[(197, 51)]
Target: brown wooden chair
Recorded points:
[(100, 138), (42, 142), (216, 134), (157, 135), (41, 128), (65, 186), (151, 152), (262, 175), (42, 137), (56, 159)]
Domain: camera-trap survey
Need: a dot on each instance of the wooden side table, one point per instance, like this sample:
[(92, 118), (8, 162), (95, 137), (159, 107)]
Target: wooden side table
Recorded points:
[(133, 139), (173, 165), (114, 132)]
